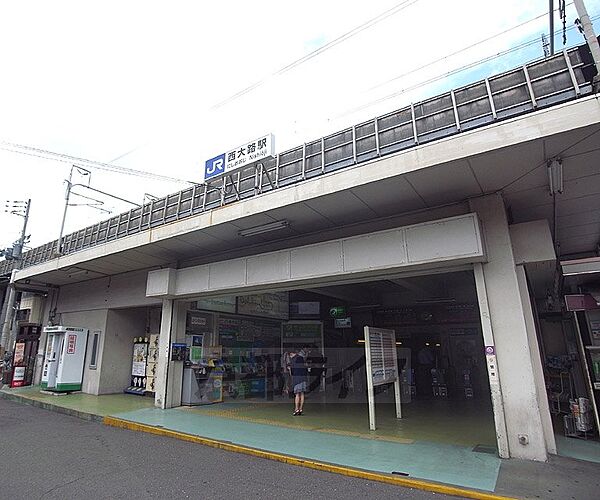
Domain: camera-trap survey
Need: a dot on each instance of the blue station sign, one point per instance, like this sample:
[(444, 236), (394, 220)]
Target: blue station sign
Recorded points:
[(240, 157)]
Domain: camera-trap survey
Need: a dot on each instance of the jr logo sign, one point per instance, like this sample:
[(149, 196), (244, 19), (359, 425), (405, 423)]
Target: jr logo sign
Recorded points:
[(236, 159), (215, 166)]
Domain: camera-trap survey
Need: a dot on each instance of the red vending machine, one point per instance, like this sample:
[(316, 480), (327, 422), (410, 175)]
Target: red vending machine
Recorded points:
[(26, 347)]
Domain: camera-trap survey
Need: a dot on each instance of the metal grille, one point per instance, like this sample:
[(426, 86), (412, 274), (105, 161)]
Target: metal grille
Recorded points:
[(539, 84)]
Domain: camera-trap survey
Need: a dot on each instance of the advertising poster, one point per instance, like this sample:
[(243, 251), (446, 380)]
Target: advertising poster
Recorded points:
[(19, 353), (138, 367), (18, 377)]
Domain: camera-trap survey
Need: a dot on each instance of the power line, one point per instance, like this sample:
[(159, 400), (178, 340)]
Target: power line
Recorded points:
[(342, 38), (65, 158), (444, 75), (384, 15), (464, 49)]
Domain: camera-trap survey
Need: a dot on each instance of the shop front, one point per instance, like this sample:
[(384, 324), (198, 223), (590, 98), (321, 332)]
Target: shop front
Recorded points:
[(236, 356), (570, 350), (467, 357)]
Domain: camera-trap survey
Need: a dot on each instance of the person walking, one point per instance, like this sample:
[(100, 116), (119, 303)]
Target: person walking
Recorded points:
[(299, 375)]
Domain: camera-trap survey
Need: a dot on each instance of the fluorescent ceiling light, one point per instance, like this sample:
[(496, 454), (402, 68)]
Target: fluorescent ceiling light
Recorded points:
[(77, 272), (265, 228), (555, 176)]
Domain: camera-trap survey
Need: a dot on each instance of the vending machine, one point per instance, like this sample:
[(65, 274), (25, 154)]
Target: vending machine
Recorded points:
[(65, 358), (26, 348)]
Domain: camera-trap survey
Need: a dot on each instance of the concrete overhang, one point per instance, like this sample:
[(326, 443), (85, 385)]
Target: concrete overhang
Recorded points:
[(508, 156)]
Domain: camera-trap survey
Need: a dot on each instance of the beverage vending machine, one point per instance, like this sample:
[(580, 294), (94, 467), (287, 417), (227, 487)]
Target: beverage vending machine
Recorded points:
[(65, 358), (23, 361)]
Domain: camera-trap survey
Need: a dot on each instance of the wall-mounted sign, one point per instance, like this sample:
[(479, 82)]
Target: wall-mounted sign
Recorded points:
[(221, 304), (239, 157), (71, 343), (343, 322), (270, 305), (337, 312), (581, 302), (198, 322)]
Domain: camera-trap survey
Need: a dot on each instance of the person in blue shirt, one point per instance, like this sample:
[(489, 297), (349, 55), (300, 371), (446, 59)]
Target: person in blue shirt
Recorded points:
[(299, 380)]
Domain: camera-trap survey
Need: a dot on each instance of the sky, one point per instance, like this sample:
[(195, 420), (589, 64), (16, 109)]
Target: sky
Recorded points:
[(159, 86)]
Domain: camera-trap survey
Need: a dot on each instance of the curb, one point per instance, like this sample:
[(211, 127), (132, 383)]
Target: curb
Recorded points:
[(17, 398), (311, 464)]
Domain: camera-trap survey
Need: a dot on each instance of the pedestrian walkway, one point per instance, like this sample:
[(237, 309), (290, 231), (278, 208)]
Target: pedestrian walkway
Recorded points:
[(445, 463), (78, 404), (476, 473)]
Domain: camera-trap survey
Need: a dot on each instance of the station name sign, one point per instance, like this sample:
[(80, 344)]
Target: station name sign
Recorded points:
[(239, 157)]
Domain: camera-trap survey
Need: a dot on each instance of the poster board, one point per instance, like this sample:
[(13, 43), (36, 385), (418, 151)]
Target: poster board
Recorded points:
[(381, 367), (138, 366)]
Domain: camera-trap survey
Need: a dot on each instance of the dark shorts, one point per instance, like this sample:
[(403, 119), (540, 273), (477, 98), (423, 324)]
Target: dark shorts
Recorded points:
[(301, 387)]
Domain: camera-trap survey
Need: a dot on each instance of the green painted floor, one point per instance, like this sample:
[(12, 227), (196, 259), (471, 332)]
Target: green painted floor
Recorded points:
[(463, 423), (107, 404), (434, 440), (436, 461)]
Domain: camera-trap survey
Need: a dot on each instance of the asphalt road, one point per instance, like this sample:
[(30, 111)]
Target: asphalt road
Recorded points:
[(50, 455)]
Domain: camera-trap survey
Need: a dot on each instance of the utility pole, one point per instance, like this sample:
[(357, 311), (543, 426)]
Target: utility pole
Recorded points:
[(590, 36), (551, 14), (6, 340), (70, 186)]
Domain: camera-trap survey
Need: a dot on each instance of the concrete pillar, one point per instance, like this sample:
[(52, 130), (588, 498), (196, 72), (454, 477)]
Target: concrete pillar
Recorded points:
[(170, 373), (491, 362), (536, 361), (523, 418), (164, 342)]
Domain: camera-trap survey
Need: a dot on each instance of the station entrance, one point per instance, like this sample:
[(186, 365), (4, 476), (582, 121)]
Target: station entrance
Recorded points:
[(237, 349)]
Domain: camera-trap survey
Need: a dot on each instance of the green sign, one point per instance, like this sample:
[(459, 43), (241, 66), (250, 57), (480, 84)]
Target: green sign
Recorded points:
[(337, 312)]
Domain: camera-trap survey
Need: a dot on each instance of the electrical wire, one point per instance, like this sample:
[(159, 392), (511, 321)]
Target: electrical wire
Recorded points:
[(342, 38), (65, 158), (446, 75), (464, 49)]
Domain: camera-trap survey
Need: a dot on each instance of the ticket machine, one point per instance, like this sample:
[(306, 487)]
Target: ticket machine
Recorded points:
[(65, 358)]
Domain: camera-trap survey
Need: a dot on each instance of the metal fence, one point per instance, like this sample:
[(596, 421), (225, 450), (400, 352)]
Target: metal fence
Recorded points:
[(542, 83)]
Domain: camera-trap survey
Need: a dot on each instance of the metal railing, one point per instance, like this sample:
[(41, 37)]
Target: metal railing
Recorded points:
[(542, 83)]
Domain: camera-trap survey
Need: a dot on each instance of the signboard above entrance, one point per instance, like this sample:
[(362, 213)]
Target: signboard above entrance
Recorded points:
[(239, 157)]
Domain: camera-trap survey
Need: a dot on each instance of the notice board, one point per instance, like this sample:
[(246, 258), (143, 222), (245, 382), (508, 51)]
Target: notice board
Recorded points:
[(382, 367)]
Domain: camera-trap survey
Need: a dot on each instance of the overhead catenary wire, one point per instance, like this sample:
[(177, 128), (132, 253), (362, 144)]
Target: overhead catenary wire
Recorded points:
[(336, 41), (444, 75), (65, 158), (355, 31), (464, 49)]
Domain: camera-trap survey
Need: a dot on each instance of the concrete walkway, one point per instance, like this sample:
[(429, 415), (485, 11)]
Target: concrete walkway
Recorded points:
[(560, 478), (78, 404)]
